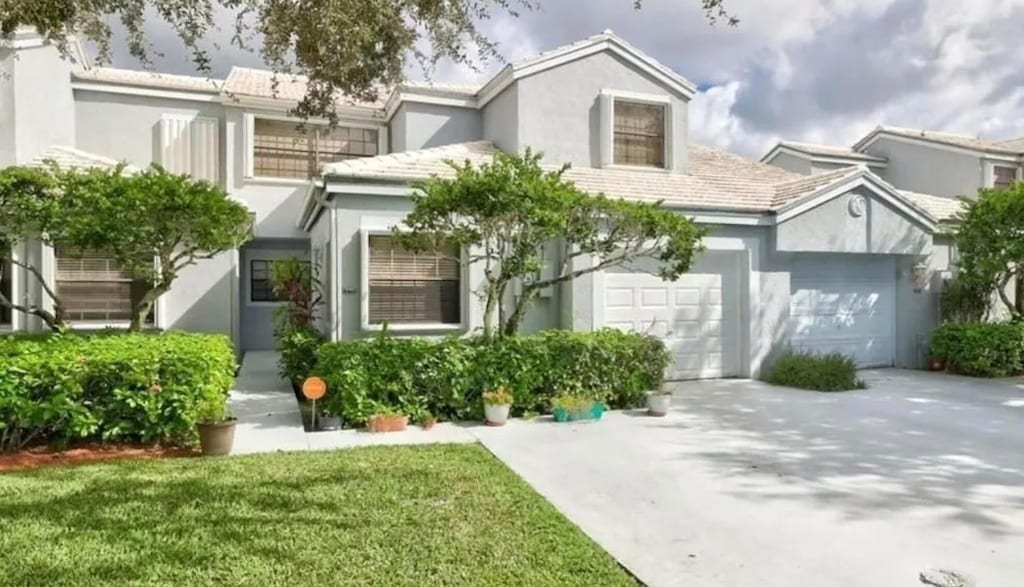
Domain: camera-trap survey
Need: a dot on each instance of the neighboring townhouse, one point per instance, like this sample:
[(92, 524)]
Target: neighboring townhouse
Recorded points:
[(938, 163), (838, 260)]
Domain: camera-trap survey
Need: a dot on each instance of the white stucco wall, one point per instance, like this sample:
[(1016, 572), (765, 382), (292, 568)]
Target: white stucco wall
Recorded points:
[(500, 118), (36, 103)]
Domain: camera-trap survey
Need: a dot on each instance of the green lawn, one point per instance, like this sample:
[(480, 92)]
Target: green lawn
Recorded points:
[(429, 515)]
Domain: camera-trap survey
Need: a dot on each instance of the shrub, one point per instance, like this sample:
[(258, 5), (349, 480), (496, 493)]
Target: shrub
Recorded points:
[(111, 387), (806, 370), (448, 377), (981, 349), (298, 348)]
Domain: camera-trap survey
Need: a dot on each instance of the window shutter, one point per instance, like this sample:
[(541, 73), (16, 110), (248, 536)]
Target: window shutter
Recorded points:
[(205, 156), (175, 142), (407, 287)]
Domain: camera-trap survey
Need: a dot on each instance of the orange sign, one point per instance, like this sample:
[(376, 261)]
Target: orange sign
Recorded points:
[(314, 388)]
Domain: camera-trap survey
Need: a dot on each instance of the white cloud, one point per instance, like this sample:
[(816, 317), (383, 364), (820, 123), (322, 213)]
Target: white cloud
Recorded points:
[(826, 70)]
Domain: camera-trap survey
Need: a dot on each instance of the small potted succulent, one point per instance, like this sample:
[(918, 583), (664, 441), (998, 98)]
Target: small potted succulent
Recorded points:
[(328, 419), (658, 400), (387, 420), (216, 427), (497, 403), (574, 408)]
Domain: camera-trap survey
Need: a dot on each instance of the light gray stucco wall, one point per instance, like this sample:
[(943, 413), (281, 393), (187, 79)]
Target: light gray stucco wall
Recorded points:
[(791, 162), (917, 310), (422, 126), (928, 169), (126, 127), (830, 227), (36, 103), (501, 120), (560, 114), (320, 240), (201, 299)]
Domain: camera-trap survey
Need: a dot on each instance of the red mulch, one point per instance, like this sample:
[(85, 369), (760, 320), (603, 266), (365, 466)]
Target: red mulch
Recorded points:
[(45, 456)]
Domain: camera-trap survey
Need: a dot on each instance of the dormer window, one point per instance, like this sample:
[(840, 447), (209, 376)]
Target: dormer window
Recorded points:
[(639, 134)]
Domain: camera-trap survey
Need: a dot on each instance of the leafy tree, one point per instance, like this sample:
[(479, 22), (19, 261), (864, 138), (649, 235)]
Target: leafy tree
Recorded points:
[(990, 243), (529, 225), (154, 223), (33, 206), (349, 47)]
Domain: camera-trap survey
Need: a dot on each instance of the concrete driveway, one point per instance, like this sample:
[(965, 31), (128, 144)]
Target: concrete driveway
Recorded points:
[(747, 484)]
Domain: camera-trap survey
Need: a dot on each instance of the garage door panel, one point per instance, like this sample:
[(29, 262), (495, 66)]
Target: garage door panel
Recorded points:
[(844, 304), (691, 315), (654, 298)]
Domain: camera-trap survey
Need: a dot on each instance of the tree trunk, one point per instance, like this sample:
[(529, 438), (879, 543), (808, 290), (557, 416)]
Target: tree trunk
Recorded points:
[(511, 325), (144, 306)]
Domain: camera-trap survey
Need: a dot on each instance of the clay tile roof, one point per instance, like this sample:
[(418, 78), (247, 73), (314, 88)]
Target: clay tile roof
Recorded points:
[(149, 79)]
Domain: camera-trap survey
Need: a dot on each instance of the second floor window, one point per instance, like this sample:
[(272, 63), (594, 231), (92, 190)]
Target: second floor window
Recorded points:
[(1003, 177), (639, 134), (282, 149)]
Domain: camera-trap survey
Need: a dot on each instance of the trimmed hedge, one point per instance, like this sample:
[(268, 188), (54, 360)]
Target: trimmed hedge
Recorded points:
[(446, 378), (981, 349), (806, 370), (115, 387)]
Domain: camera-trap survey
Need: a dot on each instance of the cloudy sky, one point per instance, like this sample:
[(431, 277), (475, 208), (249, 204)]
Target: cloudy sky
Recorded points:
[(814, 70)]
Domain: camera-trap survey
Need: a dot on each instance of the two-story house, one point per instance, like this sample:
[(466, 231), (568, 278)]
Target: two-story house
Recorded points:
[(943, 164), (839, 260)]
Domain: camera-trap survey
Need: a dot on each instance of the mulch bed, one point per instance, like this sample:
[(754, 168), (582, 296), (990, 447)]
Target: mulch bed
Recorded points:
[(45, 456)]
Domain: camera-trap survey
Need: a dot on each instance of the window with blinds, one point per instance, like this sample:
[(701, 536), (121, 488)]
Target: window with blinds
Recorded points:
[(93, 287), (1003, 177), (282, 149), (639, 134), (413, 288), (5, 284)]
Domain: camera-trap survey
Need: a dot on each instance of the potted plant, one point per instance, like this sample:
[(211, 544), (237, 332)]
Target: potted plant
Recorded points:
[(658, 400), (497, 403), (387, 420), (427, 421), (936, 363), (574, 408), (328, 419), (216, 427)]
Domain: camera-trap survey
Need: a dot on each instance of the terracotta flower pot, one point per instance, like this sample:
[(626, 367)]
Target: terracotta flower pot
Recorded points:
[(388, 423), (216, 438), (658, 403)]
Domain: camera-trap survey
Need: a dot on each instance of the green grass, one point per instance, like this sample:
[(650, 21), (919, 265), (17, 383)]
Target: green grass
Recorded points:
[(430, 515)]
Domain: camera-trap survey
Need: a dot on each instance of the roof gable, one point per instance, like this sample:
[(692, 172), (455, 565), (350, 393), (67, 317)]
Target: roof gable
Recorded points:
[(823, 154), (605, 41), (956, 141), (796, 198)]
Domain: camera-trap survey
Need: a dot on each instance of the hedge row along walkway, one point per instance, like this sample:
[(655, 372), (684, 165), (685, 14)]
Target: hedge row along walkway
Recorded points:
[(269, 419)]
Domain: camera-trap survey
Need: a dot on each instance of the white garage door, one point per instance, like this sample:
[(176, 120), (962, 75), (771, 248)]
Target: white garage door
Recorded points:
[(697, 316), (846, 304)]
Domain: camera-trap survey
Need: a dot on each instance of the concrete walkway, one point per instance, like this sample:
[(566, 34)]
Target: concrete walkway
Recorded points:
[(746, 484), (269, 419)]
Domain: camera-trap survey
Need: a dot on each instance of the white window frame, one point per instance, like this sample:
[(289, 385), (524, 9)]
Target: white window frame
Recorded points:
[(990, 171), (250, 144), (400, 327), (607, 99), (49, 271)]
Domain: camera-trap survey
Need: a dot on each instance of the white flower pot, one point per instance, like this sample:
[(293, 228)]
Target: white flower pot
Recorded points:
[(658, 403), (496, 415)]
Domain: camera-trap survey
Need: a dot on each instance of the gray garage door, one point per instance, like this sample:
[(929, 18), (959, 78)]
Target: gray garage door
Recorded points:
[(844, 303)]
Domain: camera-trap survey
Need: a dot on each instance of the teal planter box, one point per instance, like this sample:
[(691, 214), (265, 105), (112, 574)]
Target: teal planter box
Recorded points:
[(595, 412)]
